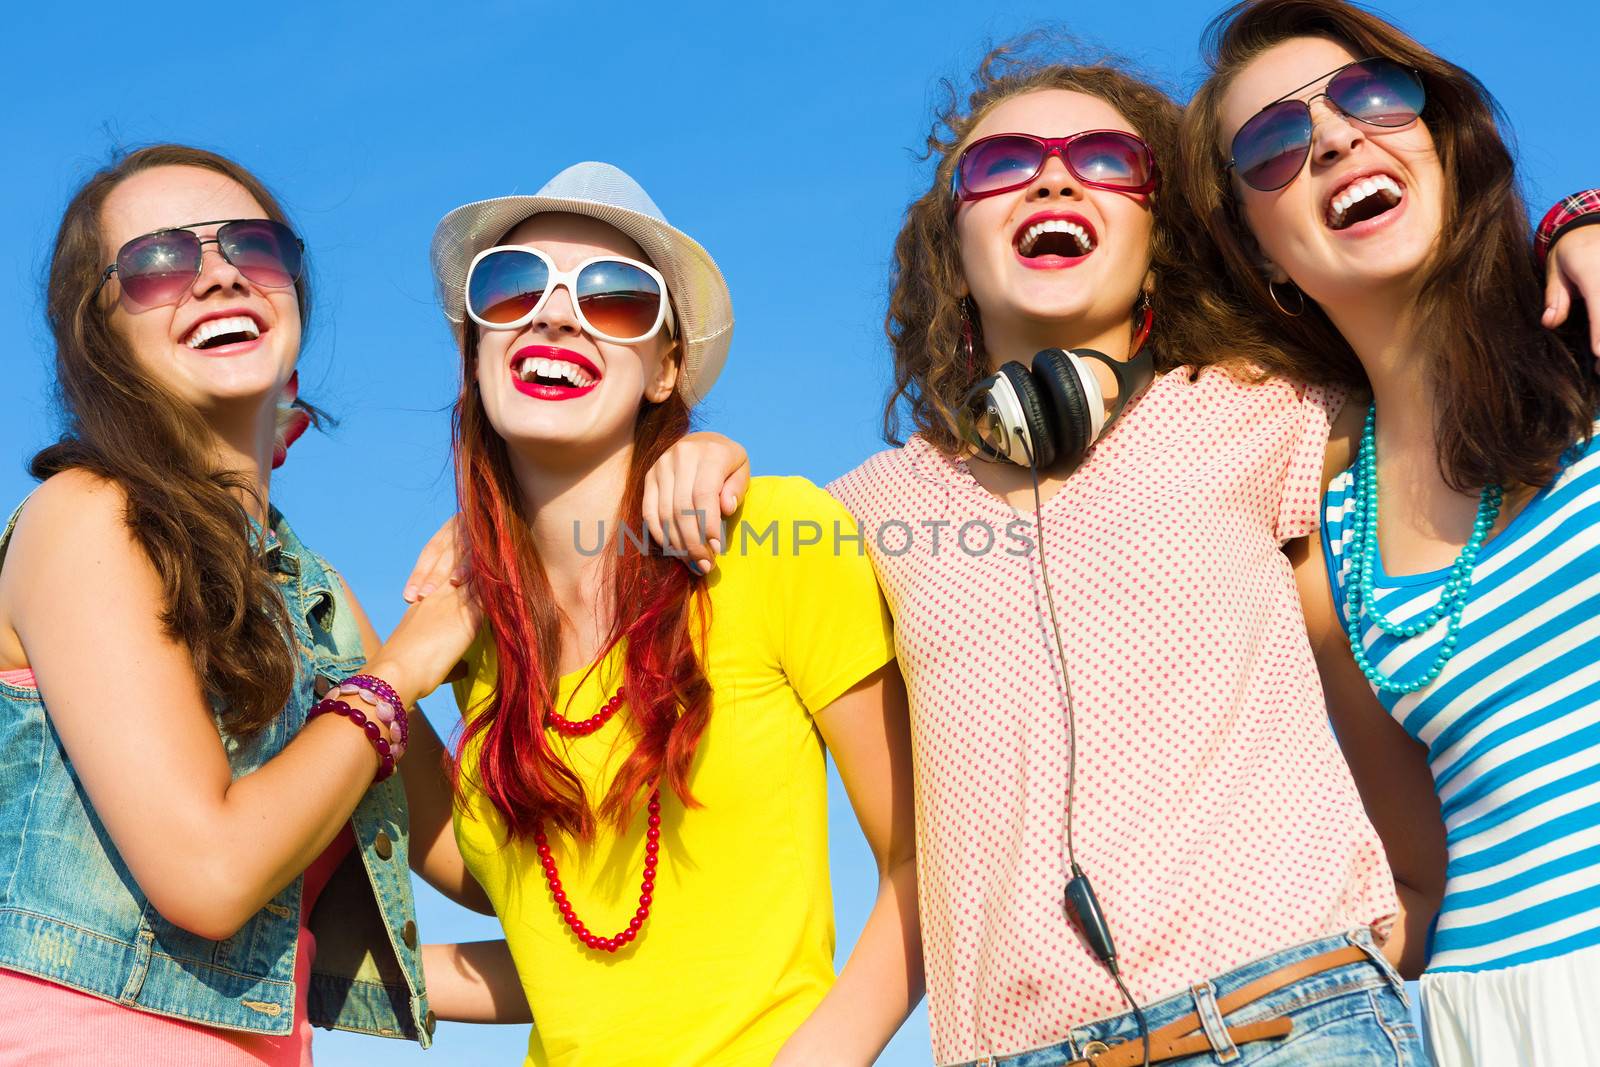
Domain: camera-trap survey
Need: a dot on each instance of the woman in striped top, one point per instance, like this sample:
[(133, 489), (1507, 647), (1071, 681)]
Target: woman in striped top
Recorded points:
[(1459, 653)]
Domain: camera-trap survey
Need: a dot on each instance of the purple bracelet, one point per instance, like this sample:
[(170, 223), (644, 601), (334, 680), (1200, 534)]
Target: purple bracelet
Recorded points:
[(371, 729), (384, 701)]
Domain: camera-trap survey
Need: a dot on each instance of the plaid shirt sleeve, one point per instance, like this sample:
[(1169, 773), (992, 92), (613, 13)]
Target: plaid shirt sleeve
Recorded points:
[(1579, 209)]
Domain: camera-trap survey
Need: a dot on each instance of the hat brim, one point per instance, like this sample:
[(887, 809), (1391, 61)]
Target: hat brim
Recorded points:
[(700, 297)]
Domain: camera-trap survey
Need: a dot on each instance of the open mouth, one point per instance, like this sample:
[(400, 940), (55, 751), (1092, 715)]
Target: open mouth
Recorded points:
[(1040, 238), (1362, 200), (540, 371), (551, 373), (228, 330)]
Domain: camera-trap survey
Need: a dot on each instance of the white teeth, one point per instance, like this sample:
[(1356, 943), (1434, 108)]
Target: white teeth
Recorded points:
[(1358, 191), (217, 327), (1031, 236), (539, 367)]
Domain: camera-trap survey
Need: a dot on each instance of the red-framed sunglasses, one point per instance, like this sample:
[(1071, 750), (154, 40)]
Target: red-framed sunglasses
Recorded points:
[(1100, 159)]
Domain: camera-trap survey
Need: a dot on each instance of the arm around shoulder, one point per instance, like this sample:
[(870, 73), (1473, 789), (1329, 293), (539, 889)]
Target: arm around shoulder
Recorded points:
[(430, 799)]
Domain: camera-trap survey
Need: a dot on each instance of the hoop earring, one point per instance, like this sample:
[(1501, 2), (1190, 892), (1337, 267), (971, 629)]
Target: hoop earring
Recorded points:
[(1300, 300)]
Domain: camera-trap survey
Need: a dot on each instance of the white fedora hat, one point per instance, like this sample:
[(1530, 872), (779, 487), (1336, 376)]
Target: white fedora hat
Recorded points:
[(700, 298)]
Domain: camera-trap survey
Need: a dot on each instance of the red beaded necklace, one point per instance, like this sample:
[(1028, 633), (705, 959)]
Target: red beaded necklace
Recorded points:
[(652, 846), (583, 727)]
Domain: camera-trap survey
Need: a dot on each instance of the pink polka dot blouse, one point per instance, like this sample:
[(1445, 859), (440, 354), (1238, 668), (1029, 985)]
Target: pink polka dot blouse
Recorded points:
[(1214, 813)]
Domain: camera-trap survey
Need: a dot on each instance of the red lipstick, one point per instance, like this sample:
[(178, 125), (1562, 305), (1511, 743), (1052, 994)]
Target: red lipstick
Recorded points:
[(562, 374)]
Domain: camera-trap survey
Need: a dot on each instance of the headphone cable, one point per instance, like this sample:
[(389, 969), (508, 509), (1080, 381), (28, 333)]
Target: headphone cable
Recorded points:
[(1079, 893)]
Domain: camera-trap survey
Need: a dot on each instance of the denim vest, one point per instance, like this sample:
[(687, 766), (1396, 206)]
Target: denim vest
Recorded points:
[(71, 913)]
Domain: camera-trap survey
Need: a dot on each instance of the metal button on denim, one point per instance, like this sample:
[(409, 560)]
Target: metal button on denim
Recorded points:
[(429, 1021), (383, 846), (409, 934)]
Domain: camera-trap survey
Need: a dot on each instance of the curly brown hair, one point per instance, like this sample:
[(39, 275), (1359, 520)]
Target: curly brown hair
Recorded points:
[(219, 601), (1510, 396), (925, 321)]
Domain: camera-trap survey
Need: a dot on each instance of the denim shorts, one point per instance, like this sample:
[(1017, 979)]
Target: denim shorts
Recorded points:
[(1351, 1016)]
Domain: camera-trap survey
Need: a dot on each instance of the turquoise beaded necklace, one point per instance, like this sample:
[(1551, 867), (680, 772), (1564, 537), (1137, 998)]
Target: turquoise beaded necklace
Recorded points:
[(1360, 597)]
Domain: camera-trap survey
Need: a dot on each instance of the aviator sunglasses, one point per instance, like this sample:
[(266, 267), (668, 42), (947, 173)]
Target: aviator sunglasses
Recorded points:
[(1270, 149), (157, 268), (616, 299), (1100, 159)]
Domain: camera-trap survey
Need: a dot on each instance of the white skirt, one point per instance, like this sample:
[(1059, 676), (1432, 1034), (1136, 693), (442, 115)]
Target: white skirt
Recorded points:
[(1544, 1014)]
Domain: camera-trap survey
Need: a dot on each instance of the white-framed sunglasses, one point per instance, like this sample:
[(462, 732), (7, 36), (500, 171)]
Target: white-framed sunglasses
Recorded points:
[(615, 298)]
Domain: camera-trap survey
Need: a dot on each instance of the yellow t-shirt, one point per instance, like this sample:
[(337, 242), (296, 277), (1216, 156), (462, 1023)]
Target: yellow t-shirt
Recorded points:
[(738, 948)]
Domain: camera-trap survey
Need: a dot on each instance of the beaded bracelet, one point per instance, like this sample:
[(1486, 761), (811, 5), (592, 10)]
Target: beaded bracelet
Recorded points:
[(371, 729), (384, 700)]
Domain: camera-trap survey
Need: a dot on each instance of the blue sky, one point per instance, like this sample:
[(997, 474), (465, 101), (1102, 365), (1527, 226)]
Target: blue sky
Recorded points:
[(781, 136)]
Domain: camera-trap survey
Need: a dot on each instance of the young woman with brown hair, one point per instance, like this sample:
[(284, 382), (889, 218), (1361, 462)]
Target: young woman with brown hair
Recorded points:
[(168, 814), (1173, 748), (1361, 192)]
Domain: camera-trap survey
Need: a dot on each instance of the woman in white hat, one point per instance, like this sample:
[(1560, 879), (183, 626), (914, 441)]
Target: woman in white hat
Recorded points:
[(640, 785)]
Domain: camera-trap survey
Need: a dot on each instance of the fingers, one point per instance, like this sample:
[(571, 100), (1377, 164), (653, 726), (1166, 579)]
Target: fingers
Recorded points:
[(420, 573), (1557, 300), (651, 506), (708, 510), (692, 513), (659, 509), (427, 562), (434, 634), (734, 489), (441, 563)]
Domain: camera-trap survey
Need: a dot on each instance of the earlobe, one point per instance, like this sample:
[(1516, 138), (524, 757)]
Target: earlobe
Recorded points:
[(1269, 270), (667, 378)]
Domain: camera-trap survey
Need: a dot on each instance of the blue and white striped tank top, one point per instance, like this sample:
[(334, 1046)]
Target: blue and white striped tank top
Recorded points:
[(1512, 725)]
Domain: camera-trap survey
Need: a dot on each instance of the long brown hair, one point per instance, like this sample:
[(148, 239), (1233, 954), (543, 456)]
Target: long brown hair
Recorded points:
[(1511, 397), (219, 601), (925, 321), (656, 609)]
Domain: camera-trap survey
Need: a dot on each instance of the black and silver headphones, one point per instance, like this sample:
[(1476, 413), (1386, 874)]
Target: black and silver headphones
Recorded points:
[(1055, 411)]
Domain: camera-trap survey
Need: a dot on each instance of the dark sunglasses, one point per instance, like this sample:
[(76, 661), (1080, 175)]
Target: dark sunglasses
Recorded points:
[(1270, 150), (1100, 159), (156, 268)]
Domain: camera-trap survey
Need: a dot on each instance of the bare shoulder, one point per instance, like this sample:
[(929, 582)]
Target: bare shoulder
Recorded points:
[(73, 507), (73, 518)]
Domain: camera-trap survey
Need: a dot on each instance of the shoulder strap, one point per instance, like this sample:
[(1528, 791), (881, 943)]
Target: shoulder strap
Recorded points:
[(11, 525)]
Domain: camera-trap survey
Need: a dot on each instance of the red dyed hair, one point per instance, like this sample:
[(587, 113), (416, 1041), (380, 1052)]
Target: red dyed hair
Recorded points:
[(657, 612)]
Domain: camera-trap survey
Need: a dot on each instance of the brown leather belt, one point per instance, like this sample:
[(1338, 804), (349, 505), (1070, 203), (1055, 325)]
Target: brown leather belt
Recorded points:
[(1183, 1037)]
